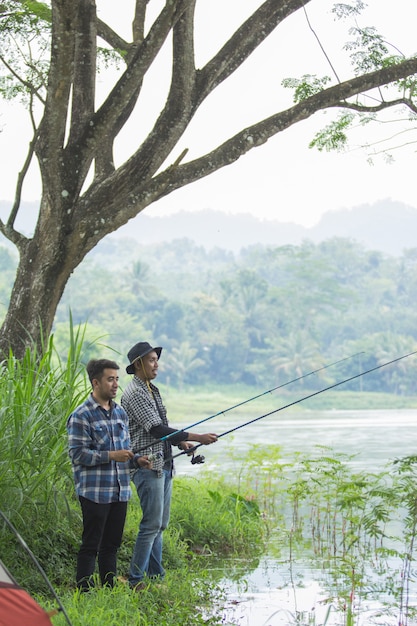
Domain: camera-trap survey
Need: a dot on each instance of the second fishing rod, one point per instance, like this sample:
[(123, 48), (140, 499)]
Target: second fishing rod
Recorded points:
[(239, 404), (310, 395)]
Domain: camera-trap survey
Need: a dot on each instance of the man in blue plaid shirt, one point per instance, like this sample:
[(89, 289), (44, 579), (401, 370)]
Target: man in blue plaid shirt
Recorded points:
[(148, 424), (101, 456)]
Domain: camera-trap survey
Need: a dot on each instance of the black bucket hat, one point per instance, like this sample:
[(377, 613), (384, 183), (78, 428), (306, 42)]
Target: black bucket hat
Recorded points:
[(139, 350)]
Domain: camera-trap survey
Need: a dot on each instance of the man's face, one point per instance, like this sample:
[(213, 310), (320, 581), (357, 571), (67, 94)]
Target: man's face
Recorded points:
[(149, 366), (106, 387)]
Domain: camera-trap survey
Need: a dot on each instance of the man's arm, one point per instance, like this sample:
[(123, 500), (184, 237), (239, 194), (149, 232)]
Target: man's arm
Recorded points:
[(182, 437)]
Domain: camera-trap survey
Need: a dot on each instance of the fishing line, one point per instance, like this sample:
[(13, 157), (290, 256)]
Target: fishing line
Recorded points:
[(38, 565), (235, 406), (286, 406)]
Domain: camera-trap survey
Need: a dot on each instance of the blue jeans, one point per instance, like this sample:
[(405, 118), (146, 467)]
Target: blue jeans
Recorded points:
[(155, 501)]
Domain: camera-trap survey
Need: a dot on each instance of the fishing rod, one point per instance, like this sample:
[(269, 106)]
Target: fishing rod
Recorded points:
[(286, 406), (40, 568), (235, 406)]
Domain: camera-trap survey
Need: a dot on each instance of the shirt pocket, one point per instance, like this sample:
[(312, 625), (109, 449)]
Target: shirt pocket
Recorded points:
[(101, 437)]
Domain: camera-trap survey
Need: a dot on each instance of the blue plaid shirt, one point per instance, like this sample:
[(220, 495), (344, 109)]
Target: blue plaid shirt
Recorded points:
[(92, 433)]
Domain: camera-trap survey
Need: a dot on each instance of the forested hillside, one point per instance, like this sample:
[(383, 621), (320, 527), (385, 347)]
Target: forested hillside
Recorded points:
[(264, 314)]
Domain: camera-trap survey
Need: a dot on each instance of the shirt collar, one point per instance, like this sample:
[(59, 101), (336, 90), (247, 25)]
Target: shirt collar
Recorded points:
[(96, 405)]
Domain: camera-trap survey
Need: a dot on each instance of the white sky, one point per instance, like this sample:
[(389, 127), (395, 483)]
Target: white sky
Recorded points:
[(284, 179)]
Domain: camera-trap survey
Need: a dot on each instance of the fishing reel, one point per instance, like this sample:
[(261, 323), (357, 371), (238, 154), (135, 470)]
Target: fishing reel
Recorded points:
[(154, 455), (196, 460)]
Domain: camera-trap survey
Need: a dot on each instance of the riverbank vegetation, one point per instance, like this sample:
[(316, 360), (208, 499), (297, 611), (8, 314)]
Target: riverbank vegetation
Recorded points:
[(359, 528), (209, 518)]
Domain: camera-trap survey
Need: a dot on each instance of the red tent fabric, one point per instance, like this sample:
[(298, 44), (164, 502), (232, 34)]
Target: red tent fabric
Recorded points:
[(17, 607)]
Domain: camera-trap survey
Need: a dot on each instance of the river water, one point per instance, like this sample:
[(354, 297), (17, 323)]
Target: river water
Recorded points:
[(280, 593), (375, 437)]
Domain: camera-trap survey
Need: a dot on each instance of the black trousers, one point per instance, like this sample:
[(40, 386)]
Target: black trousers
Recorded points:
[(103, 526)]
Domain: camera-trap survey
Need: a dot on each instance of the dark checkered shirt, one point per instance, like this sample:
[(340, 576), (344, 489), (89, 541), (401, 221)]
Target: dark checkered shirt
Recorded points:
[(146, 410)]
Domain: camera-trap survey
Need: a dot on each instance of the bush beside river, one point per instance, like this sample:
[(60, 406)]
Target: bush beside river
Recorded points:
[(213, 516)]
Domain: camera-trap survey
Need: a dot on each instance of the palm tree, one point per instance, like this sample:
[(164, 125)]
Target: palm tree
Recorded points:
[(181, 360), (296, 354), (141, 281)]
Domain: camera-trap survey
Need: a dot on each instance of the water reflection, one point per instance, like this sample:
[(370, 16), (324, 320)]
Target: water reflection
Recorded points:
[(284, 594), (276, 593), (281, 592)]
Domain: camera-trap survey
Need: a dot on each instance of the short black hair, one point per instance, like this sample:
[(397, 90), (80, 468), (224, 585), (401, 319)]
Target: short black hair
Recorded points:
[(95, 368)]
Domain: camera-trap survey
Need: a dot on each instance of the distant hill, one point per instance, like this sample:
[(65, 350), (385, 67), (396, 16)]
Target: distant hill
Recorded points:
[(386, 225)]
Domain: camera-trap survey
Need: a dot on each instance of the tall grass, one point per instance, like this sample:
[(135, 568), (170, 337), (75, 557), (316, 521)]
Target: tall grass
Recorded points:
[(185, 599), (37, 395), (218, 520)]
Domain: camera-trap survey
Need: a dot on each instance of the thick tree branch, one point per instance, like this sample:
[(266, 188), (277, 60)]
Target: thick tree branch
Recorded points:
[(253, 136), (170, 127), (183, 68), (104, 163), (105, 119), (91, 227), (104, 126), (53, 125), (241, 45), (134, 194), (115, 41), (178, 110), (138, 24), (84, 67)]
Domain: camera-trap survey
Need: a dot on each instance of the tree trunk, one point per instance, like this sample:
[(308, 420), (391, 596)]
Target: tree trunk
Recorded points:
[(74, 138), (43, 271)]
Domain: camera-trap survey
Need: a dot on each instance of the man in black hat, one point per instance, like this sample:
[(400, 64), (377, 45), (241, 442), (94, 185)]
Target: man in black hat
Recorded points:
[(147, 423)]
